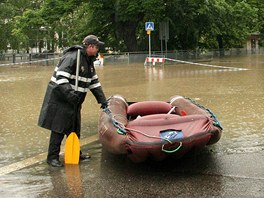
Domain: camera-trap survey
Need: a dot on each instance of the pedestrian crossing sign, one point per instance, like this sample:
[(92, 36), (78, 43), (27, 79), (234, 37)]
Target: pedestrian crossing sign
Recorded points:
[(149, 26)]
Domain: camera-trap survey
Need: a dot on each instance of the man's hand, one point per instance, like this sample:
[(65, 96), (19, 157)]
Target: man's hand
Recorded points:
[(104, 105), (105, 108)]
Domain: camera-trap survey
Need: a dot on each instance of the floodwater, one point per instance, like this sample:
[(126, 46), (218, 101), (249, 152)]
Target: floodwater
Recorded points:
[(231, 167)]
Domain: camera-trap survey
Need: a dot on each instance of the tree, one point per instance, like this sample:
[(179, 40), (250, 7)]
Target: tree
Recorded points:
[(28, 29), (210, 24), (64, 19), (124, 20), (259, 6), (232, 23), (193, 23), (5, 28), (9, 9)]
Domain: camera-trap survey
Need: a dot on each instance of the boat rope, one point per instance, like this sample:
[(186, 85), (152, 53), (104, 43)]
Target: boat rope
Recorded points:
[(120, 127), (138, 131), (216, 121), (172, 151), (156, 137), (122, 130), (150, 136)]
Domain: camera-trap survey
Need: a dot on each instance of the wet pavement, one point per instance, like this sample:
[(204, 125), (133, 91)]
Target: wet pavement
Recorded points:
[(233, 167)]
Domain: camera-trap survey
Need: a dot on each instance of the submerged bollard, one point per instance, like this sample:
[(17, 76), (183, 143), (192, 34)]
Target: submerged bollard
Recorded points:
[(14, 58)]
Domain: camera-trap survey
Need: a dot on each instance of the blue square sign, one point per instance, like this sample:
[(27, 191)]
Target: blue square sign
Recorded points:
[(149, 26)]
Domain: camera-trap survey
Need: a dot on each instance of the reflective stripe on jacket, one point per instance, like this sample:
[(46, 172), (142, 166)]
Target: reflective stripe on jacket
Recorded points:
[(57, 112)]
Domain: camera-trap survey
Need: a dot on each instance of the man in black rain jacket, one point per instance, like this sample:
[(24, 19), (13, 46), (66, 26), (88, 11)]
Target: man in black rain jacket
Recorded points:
[(60, 101)]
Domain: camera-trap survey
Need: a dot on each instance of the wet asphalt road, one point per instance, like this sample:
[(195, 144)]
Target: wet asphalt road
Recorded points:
[(206, 173)]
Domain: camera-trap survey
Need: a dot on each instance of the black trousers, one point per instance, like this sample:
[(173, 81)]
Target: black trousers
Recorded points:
[(55, 144)]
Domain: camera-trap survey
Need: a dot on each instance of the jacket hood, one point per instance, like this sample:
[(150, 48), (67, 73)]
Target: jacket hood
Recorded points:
[(73, 48)]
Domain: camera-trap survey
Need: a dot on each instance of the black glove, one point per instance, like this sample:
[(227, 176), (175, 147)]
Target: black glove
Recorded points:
[(105, 108), (104, 105)]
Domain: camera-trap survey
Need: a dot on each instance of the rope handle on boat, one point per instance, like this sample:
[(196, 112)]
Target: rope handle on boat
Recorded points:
[(216, 121), (171, 151), (162, 148), (172, 109), (120, 129), (150, 136)]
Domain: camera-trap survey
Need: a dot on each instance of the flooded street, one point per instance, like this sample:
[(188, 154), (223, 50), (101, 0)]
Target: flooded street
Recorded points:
[(231, 167)]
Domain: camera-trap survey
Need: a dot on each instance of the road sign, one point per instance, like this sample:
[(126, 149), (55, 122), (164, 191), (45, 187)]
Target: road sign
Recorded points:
[(164, 30), (149, 26)]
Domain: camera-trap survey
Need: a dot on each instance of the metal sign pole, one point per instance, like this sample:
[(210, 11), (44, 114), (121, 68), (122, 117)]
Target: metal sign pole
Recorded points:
[(149, 26), (149, 44), (164, 35)]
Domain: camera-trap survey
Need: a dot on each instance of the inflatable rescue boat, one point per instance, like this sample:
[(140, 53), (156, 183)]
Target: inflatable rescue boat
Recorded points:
[(157, 129)]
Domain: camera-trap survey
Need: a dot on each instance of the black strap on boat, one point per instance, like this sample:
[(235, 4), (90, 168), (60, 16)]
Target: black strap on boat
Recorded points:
[(216, 121), (120, 130)]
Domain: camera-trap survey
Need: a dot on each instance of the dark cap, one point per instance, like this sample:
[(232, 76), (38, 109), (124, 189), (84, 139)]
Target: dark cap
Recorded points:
[(92, 39)]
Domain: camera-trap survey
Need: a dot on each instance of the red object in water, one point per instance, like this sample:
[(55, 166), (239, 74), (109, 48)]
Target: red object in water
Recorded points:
[(155, 130)]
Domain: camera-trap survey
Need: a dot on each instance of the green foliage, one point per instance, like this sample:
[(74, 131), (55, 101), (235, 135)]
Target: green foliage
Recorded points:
[(120, 23)]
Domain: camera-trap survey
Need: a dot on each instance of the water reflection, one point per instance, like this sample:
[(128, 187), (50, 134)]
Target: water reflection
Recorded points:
[(24, 185)]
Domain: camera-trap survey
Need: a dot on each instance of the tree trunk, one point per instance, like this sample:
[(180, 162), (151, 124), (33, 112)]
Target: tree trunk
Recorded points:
[(126, 31), (129, 36)]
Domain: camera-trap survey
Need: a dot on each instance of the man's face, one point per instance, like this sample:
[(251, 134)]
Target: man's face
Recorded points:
[(92, 50)]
